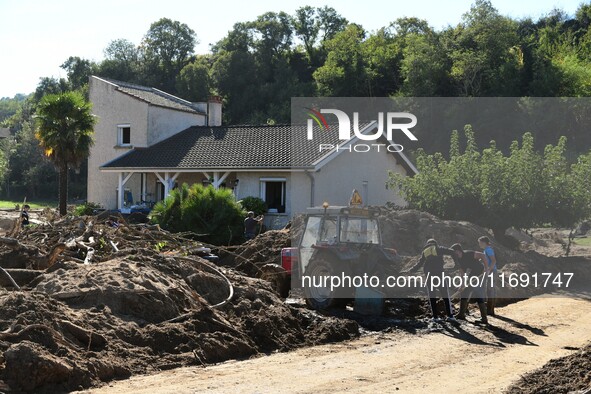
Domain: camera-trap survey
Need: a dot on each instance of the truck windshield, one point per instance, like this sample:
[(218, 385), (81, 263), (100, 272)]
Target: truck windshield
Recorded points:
[(360, 230), (319, 231)]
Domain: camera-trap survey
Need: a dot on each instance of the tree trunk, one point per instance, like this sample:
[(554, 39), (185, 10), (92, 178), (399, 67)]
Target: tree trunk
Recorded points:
[(63, 189)]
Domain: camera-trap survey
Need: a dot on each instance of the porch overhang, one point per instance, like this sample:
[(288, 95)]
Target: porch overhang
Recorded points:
[(202, 170), (168, 177)]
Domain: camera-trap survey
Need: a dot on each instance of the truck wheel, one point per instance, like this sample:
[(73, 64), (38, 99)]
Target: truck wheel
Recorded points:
[(322, 297), (278, 278)]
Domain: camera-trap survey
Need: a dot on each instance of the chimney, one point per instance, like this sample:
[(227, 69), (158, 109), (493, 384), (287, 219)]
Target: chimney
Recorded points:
[(214, 111)]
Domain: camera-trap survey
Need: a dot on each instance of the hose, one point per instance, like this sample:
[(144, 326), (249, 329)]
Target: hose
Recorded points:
[(217, 271)]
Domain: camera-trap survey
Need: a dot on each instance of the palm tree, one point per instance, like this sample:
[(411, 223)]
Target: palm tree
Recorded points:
[(64, 130)]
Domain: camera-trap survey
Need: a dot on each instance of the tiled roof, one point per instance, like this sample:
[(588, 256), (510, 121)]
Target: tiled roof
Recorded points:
[(231, 147), (154, 96)]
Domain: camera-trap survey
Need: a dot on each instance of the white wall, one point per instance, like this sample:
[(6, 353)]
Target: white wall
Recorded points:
[(111, 108), (149, 125), (335, 182), (164, 123)]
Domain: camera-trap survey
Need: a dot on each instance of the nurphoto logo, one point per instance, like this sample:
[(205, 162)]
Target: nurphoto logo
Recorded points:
[(385, 125)]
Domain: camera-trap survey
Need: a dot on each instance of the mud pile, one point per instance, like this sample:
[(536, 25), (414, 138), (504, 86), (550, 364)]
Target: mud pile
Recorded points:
[(407, 231), (257, 252), (148, 303), (570, 374)]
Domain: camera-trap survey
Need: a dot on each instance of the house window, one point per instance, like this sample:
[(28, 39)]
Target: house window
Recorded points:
[(124, 135), (273, 192)]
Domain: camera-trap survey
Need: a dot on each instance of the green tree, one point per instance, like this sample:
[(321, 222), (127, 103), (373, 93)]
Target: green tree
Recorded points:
[(31, 173), (64, 130), (498, 191), (254, 204), (122, 61), (423, 66), (274, 34), (331, 22), (382, 55), (307, 27), (234, 74), (213, 214), (343, 73), (193, 82), (78, 71), (10, 106), (481, 47), (49, 85), (167, 47)]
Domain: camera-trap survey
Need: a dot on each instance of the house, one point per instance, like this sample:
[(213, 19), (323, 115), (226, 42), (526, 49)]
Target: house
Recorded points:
[(148, 142), (5, 132)]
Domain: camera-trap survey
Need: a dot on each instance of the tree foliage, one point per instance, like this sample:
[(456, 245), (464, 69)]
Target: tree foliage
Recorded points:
[(213, 214), (260, 64), (64, 129), (521, 189), (254, 204), (167, 48)]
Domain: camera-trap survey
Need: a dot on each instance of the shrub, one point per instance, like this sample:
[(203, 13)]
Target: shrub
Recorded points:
[(255, 204), (86, 209), (213, 214)]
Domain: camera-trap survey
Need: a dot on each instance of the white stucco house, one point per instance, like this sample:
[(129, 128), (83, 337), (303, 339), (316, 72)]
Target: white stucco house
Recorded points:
[(148, 142)]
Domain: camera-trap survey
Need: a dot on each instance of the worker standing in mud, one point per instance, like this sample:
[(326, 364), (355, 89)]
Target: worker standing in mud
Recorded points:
[(432, 262), (250, 225), (491, 273), (471, 264)]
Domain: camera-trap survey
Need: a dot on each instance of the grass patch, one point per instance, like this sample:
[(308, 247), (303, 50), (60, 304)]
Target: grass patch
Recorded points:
[(583, 241), (34, 204)]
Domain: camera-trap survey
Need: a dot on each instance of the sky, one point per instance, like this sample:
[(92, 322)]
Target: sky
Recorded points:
[(36, 37)]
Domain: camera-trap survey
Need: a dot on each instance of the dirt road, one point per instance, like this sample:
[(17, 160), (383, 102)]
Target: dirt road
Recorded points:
[(457, 359)]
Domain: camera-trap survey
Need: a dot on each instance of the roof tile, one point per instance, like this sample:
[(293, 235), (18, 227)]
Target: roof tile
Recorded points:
[(155, 97), (229, 147)]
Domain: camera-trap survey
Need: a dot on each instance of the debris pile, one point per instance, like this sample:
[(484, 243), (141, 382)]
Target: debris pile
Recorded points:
[(255, 253), (101, 298), (116, 299), (570, 374)]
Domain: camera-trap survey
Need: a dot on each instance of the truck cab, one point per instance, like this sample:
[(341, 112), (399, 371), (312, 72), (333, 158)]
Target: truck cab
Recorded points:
[(336, 241)]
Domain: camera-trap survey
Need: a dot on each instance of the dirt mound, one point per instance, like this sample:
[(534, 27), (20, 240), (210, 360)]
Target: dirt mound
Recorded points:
[(407, 231), (144, 302), (253, 254), (568, 374)]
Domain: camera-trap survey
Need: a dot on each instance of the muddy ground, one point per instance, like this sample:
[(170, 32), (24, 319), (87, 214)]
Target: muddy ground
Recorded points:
[(146, 301), (142, 305), (458, 359), (567, 374)]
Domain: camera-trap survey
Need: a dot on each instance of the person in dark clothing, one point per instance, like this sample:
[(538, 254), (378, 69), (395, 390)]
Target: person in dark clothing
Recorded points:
[(472, 264), (250, 225), (25, 215), (432, 262)]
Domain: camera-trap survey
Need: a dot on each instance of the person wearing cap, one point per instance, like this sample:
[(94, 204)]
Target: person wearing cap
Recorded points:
[(432, 263), (250, 225), (471, 264)]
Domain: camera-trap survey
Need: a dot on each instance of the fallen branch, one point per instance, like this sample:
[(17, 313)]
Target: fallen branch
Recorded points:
[(10, 278), (88, 338), (66, 295)]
